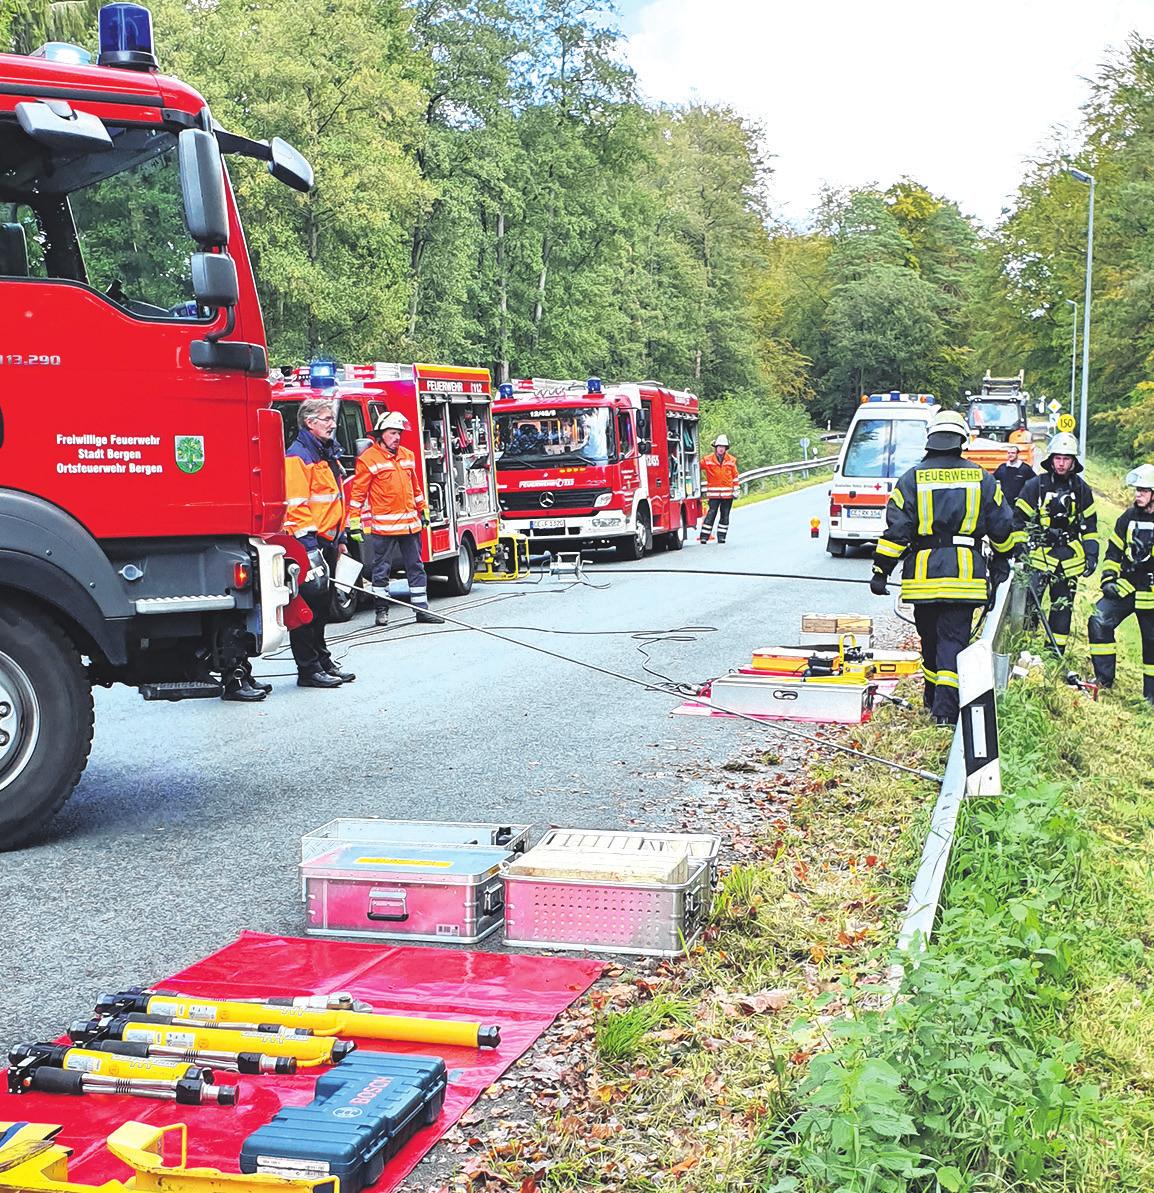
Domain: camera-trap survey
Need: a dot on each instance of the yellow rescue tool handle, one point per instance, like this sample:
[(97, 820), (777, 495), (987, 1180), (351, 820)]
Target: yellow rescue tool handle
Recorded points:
[(354, 1024)]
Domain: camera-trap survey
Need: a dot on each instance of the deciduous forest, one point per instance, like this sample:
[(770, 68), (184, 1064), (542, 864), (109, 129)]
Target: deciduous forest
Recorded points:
[(492, 189)]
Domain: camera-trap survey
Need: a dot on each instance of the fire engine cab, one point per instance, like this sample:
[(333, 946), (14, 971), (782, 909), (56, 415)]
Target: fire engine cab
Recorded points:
[(449, 415), (139, 500), (581, 464)]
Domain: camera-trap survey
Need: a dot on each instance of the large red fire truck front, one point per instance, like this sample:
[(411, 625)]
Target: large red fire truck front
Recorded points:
[(141, 470), (585, 465)]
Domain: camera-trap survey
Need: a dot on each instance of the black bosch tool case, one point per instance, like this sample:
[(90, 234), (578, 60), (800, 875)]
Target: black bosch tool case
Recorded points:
[(364, 1111)]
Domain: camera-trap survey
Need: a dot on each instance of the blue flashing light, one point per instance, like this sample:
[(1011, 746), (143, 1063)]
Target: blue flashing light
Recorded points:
[(126, 37), (322, 374), (593, 385), (505, 389), (63, 51)]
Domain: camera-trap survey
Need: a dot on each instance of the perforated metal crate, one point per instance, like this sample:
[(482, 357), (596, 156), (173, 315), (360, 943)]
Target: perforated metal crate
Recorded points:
[(651, 919)]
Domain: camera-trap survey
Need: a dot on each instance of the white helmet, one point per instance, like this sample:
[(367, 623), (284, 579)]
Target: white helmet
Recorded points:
[(721, 441), (1063, 444), (391, 421), (1141, 477), (947, 431)]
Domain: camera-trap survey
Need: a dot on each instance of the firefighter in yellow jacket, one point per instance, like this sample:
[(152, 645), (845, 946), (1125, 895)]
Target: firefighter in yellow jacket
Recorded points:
[(388, 503), (937, 517)]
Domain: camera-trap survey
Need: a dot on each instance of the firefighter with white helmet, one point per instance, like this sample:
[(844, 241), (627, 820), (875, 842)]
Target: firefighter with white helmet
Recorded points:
[(938, 515), (1054, 518), (388, 503), (719, 479), (1128, 584)]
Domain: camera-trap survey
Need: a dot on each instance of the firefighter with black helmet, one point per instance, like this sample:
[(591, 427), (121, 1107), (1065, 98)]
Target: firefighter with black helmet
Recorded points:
[(1054, 517), (1128, 584), (938, 515)]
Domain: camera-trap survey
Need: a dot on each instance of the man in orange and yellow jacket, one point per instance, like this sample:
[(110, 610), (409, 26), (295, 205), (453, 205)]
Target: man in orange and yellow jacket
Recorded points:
[(387, 502), (719, 479)]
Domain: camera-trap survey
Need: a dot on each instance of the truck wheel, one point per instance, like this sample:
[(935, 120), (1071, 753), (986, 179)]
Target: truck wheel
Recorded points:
[(836, 547), (459, 571), (640, 541), (675, 539), (45, 722)]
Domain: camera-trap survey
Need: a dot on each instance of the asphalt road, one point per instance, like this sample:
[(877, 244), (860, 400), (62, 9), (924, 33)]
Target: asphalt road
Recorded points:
[(185, 828)]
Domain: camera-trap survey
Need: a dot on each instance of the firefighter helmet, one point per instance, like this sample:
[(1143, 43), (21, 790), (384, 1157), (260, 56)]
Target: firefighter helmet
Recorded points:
[(947, 432), (1063, 444), (721, 441), (393, 421), (1141, 477)]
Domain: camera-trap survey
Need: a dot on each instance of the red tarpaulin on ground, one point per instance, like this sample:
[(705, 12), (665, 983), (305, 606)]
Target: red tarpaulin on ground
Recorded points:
[(522, 994)]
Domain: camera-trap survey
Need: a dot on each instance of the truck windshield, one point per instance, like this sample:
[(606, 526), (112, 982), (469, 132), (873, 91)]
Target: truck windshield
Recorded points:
[(996, 416), (555, 438), (112, 220)]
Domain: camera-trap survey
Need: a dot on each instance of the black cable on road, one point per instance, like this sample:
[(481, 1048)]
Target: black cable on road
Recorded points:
[(705, 702)]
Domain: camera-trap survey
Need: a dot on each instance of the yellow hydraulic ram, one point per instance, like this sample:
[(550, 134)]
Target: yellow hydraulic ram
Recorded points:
[(307, 1051), (84, 1060), (30, 1159), (321, 1022)]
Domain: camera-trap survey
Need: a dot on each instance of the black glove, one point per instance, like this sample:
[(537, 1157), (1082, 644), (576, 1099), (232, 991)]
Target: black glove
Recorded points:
[(999, 570), (1091, 562), (878, 584), (1110, 589)]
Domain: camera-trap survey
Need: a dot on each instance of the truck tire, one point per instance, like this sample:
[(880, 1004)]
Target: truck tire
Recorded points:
[(459, 571), (46, 719), (836, 547), (675, 539), (640, 542)]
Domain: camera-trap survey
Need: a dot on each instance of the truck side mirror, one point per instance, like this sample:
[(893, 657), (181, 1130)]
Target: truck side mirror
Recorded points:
[(644, 446), (361, 446), (214, 280), (57, 126), (288, 166), (202, 185)]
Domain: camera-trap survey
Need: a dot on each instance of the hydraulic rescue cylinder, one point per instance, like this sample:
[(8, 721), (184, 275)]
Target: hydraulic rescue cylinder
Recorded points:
[(307, 1051), (231, 1062), (89, 1060), (321, 1022), (33, 1077)]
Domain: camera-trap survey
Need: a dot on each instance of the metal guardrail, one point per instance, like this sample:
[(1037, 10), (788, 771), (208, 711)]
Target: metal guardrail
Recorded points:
[(744, 479), (926, 892)]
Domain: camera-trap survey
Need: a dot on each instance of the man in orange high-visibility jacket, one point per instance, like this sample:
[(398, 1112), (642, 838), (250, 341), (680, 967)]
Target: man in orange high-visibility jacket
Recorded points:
[(387, 501), (719, 478), (315, 514)]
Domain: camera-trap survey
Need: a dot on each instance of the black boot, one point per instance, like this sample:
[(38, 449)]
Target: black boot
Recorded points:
[(382, 618), (330, 668), (316, 678), (423, 615), (239, 687)]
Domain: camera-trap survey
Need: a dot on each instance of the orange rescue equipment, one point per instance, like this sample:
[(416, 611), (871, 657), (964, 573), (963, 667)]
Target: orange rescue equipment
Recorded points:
[(386, 493)]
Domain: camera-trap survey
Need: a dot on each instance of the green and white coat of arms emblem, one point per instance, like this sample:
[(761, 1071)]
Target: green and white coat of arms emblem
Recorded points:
[(189, 453)]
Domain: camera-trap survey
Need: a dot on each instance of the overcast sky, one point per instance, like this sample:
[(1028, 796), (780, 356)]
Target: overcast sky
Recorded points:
[(955, 95)]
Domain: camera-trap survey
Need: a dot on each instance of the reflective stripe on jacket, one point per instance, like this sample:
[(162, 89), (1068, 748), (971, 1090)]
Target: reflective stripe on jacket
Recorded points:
[(387, 494), (1055, 517), (314, 501), (720, 476), (1130, 556), (937, 516)]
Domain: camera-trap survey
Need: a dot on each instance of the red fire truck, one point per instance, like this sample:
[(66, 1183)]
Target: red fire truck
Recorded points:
[(141, 468), (580, 464), (449, 412)]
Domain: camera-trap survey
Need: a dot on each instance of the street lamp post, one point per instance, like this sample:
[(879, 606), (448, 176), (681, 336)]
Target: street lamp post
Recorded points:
[(1082, 176), (1073, 352)]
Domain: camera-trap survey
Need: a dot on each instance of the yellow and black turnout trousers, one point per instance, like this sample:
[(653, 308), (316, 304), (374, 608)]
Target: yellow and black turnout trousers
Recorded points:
[(1054, 520), (1130, 565), (938, 515)]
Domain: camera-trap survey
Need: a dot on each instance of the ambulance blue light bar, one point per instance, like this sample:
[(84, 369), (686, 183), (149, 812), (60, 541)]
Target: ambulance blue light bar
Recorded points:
[(505, 389), (322, 374), (909, 399), (593, 385), (126, 37)]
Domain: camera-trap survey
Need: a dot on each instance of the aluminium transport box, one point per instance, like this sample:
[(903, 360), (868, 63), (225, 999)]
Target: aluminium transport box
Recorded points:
[(356, 829), (693, 845), (405, 892), (363, 1112), (647, 918), (788, 698)]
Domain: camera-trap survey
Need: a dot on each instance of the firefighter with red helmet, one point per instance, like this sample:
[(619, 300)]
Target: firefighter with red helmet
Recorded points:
[(719, 479), (1128, 584), (315, 514), (387, 502), (1054, 517), (937, 517)]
